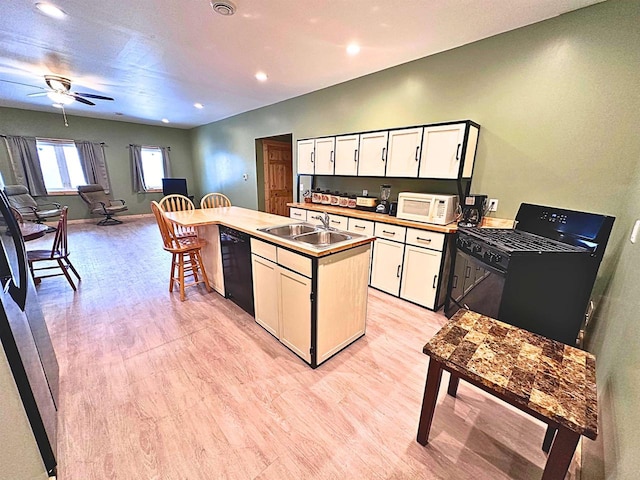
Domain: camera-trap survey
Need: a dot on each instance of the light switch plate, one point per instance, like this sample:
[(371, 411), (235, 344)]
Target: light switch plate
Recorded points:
[(634, 232)]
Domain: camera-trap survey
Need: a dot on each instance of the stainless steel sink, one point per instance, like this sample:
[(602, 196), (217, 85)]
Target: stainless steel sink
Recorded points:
[(289, 230), (322, 238)]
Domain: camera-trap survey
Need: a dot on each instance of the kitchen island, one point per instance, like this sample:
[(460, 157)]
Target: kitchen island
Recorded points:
[(314, 300)]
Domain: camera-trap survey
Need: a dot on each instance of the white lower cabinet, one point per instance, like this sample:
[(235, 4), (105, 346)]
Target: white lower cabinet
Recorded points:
[(420, 271), (386, 265), (282, 302), (212, 256), (295, 312), (298, 214)]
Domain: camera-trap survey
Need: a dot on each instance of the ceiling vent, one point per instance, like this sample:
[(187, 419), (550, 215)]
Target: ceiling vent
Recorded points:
[(223, 8)]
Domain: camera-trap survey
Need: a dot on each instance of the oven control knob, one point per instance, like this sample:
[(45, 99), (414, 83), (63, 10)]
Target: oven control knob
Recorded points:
[(476, 248), (497, 258), (488, 256)]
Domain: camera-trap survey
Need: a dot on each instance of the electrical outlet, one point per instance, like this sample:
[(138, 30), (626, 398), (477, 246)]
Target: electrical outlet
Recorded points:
[(365, 193), (245, 176), (493, 204)]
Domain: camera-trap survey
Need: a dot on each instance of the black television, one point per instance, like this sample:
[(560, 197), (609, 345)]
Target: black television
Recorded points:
[(171, 186)]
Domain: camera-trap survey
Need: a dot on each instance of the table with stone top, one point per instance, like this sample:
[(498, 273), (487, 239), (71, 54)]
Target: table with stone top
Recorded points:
[(553, 382)]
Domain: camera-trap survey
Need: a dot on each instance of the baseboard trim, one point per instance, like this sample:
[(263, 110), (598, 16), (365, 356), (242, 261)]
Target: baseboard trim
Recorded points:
[(96, 219)]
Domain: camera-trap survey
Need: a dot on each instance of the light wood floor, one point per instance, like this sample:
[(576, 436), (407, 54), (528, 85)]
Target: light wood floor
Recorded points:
[(153, 388)]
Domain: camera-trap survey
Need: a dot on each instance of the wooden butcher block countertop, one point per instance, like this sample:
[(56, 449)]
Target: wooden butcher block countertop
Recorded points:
[(249, 221)]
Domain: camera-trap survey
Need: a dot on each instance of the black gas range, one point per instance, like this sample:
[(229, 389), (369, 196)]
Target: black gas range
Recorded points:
[(537, 276)]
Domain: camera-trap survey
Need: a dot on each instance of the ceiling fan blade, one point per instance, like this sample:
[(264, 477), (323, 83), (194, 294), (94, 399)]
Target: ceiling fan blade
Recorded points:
[(91, 95), (82, 100), (23, 84), (37, 94)]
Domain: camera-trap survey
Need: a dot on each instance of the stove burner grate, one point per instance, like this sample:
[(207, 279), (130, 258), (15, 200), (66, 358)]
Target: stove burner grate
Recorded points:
[(518, 241)]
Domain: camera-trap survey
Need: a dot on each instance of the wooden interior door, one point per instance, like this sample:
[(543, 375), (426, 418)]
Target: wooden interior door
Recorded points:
[(278, 177)]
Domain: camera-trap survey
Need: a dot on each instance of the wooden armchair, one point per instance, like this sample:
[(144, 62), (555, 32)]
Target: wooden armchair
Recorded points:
[(215, 200)]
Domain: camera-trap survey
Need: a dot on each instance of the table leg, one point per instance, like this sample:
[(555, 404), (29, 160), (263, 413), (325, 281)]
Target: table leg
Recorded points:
[(548, 438), (453, 385), (561, 454), (431, 387)]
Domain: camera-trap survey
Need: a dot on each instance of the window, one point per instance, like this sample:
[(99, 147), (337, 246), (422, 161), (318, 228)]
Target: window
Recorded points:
[(152, 167), (60, 165)]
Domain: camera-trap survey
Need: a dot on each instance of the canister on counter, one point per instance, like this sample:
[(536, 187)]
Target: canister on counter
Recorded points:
[(326, 197), (344, 200), (316, 196), (352, 201), (334, 198)]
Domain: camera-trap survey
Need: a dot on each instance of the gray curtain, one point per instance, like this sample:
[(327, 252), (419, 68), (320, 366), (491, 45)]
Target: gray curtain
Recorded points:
[(23, 154), (94, 165), (166, 161), (137, 175)]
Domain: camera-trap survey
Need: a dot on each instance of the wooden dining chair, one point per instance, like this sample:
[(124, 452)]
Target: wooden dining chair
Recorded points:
[(215, 200), (185, 251), (59, 253), (178, 203)]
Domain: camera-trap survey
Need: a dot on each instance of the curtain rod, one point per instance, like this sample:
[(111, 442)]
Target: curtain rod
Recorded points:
[(148, 146), (53, 139)]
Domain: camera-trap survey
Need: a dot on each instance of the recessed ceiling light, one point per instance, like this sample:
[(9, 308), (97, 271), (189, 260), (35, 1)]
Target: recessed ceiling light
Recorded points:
[(353, 49), (165, 120), (261, 77), (225, 8), (198, 106), (50, 10)]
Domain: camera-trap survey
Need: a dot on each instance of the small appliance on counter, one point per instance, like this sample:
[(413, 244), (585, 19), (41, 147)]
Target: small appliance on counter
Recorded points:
[(427, 207), (366, 203), (393, 208), (383, 204), (473, 209)]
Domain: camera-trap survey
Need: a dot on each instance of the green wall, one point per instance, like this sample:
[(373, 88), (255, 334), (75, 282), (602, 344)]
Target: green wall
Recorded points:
[(559, 107), (117, 136)]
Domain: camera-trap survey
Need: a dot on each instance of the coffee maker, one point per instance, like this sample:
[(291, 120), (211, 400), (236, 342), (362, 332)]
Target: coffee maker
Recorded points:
[(473, 209)]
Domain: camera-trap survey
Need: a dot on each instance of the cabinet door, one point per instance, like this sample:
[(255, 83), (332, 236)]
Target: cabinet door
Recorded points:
[(295, 312), (404, 152), (347, 155), (305, 157), (373, 154), (442, 151), (420, 275), (298, 214), (266, 294), (386, 266), (363, 227), (338, 222), (325, 149), (212, 256)]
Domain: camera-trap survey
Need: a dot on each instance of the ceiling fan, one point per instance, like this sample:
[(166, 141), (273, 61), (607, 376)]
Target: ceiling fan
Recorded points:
[(60, 92)]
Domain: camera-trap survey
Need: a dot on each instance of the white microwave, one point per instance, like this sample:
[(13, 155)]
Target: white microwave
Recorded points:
[(427, 207)]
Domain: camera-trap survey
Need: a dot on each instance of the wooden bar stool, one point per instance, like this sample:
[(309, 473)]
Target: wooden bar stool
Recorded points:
[(186, 260), (215, 200), (178, 203)]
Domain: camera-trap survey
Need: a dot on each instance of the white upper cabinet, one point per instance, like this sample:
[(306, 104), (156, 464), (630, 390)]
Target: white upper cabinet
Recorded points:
[(373, 154), (305, 157), (404, 152), (325, 149), (347, 155), (442, 151)]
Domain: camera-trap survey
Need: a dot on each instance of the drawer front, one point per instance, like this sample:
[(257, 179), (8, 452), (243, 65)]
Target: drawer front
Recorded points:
[(425, 238), (338, 222), (390, 232), (295, 262), (263, 249), (363, 227), (298, 214)]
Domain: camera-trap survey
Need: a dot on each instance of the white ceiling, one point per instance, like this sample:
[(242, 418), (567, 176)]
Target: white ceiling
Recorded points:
[(158, 57)]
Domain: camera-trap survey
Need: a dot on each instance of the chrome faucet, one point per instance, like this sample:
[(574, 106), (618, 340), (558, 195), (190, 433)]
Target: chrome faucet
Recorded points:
[(324, 219)]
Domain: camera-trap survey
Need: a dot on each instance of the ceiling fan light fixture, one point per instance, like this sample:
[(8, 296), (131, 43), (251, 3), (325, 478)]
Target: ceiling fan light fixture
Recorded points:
[(50, 10), (59, 97), (225, 8), (57, 105), (58, 83)]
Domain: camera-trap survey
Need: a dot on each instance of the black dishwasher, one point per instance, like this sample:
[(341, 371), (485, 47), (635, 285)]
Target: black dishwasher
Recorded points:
[(236, 267)]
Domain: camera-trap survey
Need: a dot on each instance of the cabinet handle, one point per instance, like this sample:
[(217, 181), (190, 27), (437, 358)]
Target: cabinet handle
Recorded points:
[(312, 155), (359, 226), (455, 282), (458, 152), (331, 156), (417, 151), (398, 272), (428, 240), (467, 271), (355, 155), (434, 281), (298, 214), (336, 221), (384, 149), (388, 233)]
